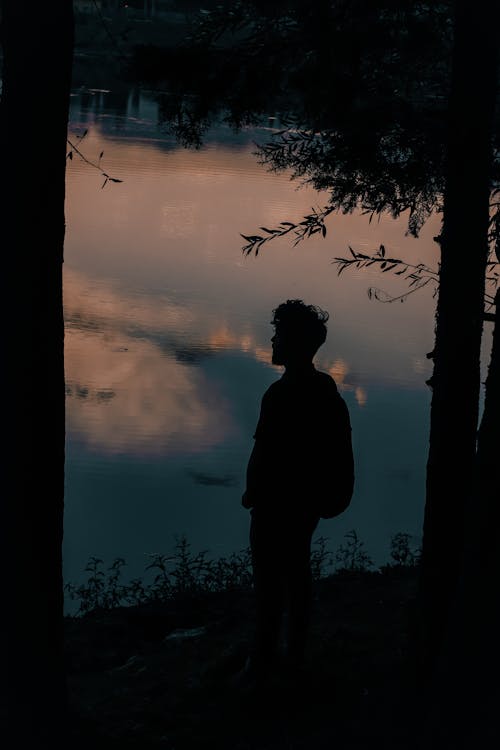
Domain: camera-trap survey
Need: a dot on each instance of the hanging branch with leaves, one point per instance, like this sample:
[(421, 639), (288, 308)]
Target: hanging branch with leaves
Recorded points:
[(418, 275), (97, 165), (311, 224)]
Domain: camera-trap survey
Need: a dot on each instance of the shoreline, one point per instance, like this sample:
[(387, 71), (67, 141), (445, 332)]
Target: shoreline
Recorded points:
[(158, 675)]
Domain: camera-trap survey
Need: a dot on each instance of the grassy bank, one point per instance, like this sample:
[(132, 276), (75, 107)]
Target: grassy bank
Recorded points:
[(181, 572), (157, 673)]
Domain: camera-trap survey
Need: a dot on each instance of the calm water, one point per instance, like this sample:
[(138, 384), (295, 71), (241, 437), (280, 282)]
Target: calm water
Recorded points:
[(168, 341)]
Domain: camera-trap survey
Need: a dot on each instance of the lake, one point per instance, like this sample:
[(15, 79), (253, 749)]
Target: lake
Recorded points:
[(168, 339)]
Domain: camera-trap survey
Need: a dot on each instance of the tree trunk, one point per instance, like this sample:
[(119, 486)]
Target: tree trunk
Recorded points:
[(459, 319), (463, 701), (488, 453), (37, 42)]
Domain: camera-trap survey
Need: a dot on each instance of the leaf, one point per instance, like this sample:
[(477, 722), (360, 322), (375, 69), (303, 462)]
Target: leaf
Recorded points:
[(382, 250), (252, 238), (114, 179)]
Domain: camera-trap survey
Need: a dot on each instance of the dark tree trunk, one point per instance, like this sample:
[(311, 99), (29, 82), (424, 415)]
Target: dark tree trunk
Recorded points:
[(37, 42), (459, 319), (462, 706), (488, 454)]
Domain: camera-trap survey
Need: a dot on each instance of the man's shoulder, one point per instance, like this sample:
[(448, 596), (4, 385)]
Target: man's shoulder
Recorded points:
[(326, 381), (325, 377), (329, 393), (319, 378), (275, 386), (317, 381), (272, 390)]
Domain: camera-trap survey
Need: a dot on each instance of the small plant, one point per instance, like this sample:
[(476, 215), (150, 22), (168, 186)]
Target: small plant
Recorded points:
[(189, 570), (351, 557), (402, 554), (229, 573), (99, 591), (321, 559), (161, 587)]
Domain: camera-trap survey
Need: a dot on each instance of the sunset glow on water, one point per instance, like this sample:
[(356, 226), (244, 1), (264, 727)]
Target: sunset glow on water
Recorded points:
[(168, 340)]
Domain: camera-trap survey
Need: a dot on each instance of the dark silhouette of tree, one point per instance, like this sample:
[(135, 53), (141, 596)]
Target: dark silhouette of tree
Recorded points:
[(384, 106), (460, 312), (36, 43)]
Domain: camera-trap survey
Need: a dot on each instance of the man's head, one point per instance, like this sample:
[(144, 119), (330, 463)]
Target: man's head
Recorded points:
[(300, 330)]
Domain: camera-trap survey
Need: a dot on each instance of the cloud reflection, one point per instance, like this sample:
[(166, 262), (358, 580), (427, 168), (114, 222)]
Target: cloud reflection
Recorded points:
[(134, 377), (125, 393), (345, 380)]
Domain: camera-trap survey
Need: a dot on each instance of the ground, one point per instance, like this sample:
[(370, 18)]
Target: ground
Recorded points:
[(159, 675)]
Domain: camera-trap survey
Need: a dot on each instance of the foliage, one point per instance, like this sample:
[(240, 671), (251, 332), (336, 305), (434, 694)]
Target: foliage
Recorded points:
[(179, 574), (420, 275), (351, 556), (74, 149), (321, 559), (184, 573), (417, 276), (310, 224), (105, 591), (359, 91), (360, 94), (403, 554)]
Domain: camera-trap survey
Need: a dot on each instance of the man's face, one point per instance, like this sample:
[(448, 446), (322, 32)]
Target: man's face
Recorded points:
[(289, 348), (280, 348)]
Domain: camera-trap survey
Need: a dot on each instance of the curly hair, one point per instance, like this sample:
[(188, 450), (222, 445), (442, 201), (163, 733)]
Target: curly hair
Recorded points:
[(304, 322)]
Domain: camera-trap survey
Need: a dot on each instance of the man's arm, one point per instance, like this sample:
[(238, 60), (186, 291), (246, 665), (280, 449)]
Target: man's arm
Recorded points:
[(256, 471), (254, 476)]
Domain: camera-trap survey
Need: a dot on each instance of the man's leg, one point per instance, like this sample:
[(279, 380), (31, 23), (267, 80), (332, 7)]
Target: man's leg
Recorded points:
[(299, 590), (266, 538)]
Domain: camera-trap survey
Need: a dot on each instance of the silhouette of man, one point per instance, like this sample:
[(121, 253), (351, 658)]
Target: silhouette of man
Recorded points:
[(300, 469)]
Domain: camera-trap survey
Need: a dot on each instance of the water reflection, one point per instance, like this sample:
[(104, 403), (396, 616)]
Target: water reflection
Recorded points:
[(134, 374), (168, 342), (132, 386)]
